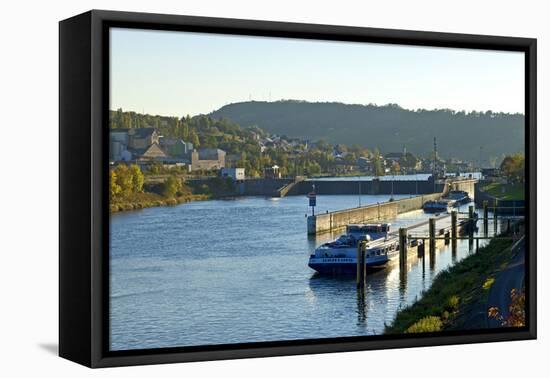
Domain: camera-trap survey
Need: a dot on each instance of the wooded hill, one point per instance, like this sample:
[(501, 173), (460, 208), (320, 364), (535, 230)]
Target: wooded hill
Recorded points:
[(389, 127)]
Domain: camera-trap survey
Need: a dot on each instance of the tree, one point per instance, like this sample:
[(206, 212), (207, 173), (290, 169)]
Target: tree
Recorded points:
[(172, 185), (137, 178), (409, 161), (322, 145), (124, 180), (194, 138), (114, 188), (341, 148), (513, 167), (377, 164), (313, 168), (395, 168)]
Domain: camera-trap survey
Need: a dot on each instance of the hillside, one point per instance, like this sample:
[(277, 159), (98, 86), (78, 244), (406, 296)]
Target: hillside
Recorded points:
[(388, 127)]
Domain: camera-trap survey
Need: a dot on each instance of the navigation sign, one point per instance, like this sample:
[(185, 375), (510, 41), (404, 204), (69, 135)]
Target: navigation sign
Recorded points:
[(312, 200)]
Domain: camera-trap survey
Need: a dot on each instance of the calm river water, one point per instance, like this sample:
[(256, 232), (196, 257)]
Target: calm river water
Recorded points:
[(235, 271)]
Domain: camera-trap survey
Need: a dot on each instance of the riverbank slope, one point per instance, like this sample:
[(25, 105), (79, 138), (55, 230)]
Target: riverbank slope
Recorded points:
[(458, 297)]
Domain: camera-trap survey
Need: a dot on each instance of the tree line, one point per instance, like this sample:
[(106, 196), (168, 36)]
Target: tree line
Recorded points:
[(294, 156), (513, 167), (127, 182)]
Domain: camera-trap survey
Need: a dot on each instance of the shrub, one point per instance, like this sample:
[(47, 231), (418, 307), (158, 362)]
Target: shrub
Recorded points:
[(452, 303), (488, 283), (172, 185), (137, 178), (427, 324)]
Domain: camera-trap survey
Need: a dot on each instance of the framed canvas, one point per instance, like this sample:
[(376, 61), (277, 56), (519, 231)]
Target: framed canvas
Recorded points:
[(235, 188)]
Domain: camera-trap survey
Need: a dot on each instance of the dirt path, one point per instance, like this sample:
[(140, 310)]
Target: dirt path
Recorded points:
[(511, 277)]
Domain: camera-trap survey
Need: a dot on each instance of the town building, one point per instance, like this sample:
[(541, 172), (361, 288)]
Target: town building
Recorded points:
[(237, 174), (364, 163), (207, 159), (141, 138), (176, 148), (146, 145), (118, 146), (151, 152)]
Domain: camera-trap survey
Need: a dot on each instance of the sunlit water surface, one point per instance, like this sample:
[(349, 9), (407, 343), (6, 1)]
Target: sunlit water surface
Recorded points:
[(235, 271)]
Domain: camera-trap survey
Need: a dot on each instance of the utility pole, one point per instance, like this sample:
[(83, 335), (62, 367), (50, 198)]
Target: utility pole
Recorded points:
[(434, 161)]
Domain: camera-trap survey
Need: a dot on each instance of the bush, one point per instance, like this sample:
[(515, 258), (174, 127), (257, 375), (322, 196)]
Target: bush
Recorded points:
[(172, 185), (427, 324), (137, 178), (124, 182), (452, 303)]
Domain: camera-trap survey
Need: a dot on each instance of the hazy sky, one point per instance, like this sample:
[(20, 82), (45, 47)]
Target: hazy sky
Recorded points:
[(179, 73)]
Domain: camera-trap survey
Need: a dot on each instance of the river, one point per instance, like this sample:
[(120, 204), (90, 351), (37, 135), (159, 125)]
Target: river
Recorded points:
[(235, 271)]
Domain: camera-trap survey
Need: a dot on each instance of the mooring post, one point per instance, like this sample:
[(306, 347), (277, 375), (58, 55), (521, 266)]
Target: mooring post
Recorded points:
[(454, 231), (420, 248), (471, 220), (485, 217), (471, 228), (432, 238), (477, 245), (402, 248), (495, 211), (361, 266)]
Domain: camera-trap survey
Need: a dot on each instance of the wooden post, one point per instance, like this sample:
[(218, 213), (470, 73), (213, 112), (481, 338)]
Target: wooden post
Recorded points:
[(471, 219), (485, 217), (477, 245), (471, 227), (495, 211), (420, 248), (432, 238), (454, 231), (402, 248), (361, 266), (508, 225)]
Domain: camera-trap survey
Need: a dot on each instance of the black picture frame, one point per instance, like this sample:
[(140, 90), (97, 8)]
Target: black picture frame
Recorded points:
[(83, 166)]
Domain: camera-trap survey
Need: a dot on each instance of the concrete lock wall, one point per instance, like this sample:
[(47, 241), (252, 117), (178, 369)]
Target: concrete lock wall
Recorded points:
[(373, 213), (263, 187), (334, 187)]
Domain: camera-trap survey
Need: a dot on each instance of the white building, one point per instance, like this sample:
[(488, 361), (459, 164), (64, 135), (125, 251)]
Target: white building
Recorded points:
[(236, 174)]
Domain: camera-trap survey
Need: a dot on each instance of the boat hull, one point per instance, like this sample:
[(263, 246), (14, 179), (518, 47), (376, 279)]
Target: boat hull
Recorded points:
[(433, 210), (344, 265)]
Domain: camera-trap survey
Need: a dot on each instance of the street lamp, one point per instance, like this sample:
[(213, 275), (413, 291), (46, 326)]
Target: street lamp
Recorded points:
[(359, 182)]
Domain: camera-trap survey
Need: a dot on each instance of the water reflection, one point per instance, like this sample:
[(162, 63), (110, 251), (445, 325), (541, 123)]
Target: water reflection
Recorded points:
[(361, 306)]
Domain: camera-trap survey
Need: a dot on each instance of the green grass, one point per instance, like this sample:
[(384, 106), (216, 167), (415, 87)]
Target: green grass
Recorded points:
[(453, 291), (505, 191)]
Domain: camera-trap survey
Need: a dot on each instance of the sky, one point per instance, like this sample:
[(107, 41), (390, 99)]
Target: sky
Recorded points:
[(180, 73)]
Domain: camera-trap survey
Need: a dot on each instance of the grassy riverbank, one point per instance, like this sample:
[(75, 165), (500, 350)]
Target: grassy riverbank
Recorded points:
[(458, 295), (505, 191), (143, 200), (131, 190)]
